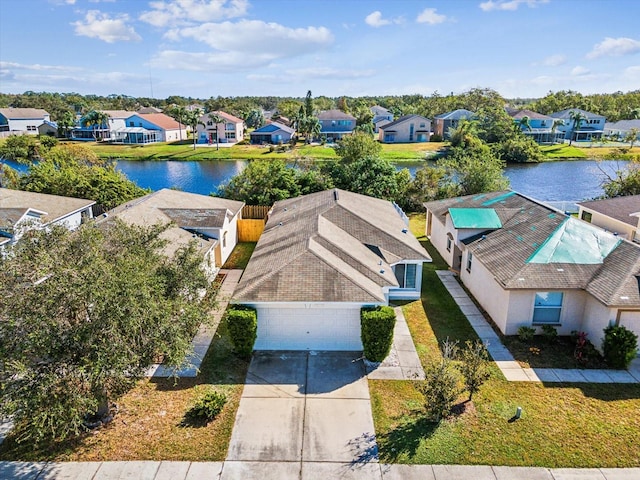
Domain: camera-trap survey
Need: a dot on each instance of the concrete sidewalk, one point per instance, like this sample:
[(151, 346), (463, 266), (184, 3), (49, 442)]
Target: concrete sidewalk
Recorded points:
[(231, 470), (511, 369)]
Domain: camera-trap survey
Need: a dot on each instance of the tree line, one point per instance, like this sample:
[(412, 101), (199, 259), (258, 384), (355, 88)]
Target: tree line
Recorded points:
[(615, 106)]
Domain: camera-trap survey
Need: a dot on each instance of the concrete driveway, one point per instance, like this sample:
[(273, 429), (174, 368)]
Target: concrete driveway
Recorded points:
[(304, 407)]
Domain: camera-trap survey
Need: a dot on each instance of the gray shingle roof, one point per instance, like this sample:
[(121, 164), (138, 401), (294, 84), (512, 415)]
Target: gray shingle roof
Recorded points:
[(404, 119), (619, 208), (526, 226), (335, 115), (330, 246), (566, 114), (23, 113), (55, 206), (458, 114)]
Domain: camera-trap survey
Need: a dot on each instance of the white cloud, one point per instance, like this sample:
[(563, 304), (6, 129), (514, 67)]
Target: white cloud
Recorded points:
[(509, 5), (100, 25), (615, 47), (36, 67), (184, 12), (430, 17), (222, 62), (375, 19), (554, 60), (62, 2), (257, 38), (579, 71), (315, 73)]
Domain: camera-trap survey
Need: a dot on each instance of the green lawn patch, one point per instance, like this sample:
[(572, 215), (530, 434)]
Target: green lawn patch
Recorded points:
[(240, 256), (539, 353), (150, 423), (562, 425), (562, 151)]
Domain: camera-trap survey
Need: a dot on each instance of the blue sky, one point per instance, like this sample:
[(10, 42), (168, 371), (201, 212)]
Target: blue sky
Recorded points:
[(204, 48)]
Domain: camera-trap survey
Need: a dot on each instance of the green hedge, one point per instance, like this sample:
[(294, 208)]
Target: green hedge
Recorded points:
[(376, 330), (242, 323), (619, 346)]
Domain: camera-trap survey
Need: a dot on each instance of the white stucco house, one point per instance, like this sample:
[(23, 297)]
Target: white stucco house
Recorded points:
[(117, 122), (230, 130), (21, 211), (22, 120), (212, 221), (528, 264), (321, 258), (619, 215)]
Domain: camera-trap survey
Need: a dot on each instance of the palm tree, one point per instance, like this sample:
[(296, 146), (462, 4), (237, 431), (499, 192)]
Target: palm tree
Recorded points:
[(524, 123), (311, 127), (577, 118), (217, 120), (95, 119), (192, 119), (556, 123), (180, 113)]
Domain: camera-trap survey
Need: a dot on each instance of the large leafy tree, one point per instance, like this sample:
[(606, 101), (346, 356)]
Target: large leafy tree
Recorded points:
[(84, 314), (66, 122), (179, 113), (75, 171), (357, 146), (255, 119)]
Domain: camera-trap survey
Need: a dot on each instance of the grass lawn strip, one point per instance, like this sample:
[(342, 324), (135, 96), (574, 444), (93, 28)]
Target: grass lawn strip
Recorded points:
[(562, 425), (148, 425), (240, 256)]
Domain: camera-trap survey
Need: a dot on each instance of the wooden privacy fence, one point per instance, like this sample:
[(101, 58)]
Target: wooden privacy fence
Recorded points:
[(251, 225), (255, 212)]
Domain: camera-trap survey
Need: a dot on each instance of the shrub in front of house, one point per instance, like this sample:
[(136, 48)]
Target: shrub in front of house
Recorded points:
[(242, 323), (620, 346), (207, 407), (550, 333), (376, 326), (525, 334)]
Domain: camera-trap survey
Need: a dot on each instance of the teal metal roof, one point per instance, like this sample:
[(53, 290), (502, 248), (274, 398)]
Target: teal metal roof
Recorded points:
[(475, 218), (575, 242)]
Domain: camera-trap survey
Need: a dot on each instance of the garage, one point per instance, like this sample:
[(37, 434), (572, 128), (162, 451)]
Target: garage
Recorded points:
[(317, 326), (631, 320)]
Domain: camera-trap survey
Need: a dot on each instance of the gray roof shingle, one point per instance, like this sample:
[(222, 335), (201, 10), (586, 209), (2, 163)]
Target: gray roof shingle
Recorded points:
[(619, 208), (330, 246)]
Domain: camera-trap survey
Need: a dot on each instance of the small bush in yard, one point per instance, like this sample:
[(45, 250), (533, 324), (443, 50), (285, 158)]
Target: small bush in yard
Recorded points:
[(525, 334), (620, 346), (441, 386), (242, 323), (474, 366), (377, 332), (207, 407), (550, 333)]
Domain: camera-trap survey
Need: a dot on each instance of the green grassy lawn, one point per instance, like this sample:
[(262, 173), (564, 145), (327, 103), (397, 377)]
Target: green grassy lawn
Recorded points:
[(240, 256), (562, 151), (184, 151), (149, 423), (562, 425)]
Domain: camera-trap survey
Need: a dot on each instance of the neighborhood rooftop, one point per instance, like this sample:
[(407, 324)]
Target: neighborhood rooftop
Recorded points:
[(330, 246), (538, 247), (53, 206), (626, 209)]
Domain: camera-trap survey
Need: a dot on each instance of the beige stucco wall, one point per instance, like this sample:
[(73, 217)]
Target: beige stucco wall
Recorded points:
[(623, 229), (403, 130), (439, 239)]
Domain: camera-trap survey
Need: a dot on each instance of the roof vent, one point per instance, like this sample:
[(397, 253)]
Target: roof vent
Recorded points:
[(335, 194), (381, 271), (404, 230), (285, 209), (280, 224), (560, 269)]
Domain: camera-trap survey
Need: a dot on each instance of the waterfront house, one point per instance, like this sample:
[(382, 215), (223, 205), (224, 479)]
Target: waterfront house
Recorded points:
[(446, 121), (211, 221), (22, 120), (230, 130), (21, 211), (541, 128), (117, 121), (619, 215), (591, 127), (336, 124), (407, 129), (620, 129), (141, 128), (528, 264), (381, 116), (273, 133), (321, 258)]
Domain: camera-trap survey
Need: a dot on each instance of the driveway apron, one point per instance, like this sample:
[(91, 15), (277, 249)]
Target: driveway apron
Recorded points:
[(305, 407)]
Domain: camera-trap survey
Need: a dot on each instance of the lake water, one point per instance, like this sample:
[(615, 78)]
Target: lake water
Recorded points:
[(550, 181)]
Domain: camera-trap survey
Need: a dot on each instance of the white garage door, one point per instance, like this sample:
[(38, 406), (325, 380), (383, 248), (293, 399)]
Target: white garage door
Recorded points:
[(631, 320), (317, 327)]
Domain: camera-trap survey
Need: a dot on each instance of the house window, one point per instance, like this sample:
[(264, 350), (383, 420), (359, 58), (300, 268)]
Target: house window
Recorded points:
[(586, 216), (469, 261), (406, 275), (31, 128), (229, 126), (449, 239), (224, 240), (230, 135), (411, 132), (209, 123), (131, 124), (547, 307)]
